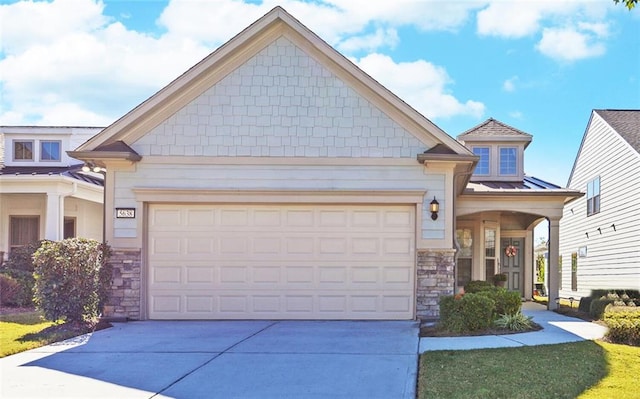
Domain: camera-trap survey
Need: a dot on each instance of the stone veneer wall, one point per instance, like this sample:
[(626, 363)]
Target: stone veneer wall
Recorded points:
[(435, 278), (124, 300)]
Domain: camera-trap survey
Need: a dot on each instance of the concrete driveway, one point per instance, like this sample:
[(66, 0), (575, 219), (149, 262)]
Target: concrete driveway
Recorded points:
[(222, 359)]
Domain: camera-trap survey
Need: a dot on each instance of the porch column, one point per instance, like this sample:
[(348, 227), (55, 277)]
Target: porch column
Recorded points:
[(53, 221), (554, 254)]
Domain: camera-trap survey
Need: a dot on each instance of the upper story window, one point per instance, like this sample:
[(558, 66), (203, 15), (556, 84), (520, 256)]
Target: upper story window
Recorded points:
[(482, 168), (593, 196), (508, 161), (23, 150), (50, 150)]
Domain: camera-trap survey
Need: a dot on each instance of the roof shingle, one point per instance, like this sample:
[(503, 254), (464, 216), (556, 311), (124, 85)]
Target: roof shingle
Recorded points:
[(624, 121)]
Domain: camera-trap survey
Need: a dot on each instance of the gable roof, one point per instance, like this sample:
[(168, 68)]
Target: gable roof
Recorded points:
[(236, 51), (492, 130), (626, 122)]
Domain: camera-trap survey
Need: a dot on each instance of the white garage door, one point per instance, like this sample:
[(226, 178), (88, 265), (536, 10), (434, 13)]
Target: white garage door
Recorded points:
[(281, 262)]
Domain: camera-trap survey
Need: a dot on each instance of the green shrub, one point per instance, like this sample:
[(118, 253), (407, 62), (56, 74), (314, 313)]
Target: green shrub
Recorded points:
[(632, 294), (623, 324), (585, 304), (470, 312), (514, 322), (9, 290), (20, 267), (72, 279), (598, 306), (506, 302), (475, 286)]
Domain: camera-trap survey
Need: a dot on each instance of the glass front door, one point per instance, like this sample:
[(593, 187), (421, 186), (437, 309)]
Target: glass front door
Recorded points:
[(512, 262)]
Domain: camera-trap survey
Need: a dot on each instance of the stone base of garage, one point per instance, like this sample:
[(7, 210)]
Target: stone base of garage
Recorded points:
[(435, 278)]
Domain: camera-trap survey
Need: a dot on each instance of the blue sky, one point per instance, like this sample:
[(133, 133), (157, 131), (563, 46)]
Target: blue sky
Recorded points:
[(540, 66)]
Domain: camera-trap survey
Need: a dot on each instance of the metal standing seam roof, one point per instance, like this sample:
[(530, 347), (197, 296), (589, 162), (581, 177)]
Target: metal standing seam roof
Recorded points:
[(528, 183), (74, 172)]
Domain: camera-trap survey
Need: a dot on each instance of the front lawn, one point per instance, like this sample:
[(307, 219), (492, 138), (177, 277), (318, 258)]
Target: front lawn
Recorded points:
[(575, 370), (27, 330)]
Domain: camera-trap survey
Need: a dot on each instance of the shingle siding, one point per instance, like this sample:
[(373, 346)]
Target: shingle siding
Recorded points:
[(281, 103)]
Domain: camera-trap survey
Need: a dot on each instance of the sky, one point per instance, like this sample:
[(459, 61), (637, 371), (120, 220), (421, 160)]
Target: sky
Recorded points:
[(539, 66)]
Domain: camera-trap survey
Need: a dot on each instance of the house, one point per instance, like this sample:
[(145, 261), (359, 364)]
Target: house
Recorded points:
[(277, 180), (600, 243), (43, 192)]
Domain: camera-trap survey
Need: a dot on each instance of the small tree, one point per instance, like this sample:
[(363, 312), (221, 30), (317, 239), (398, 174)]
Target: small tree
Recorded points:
[(72, 279)]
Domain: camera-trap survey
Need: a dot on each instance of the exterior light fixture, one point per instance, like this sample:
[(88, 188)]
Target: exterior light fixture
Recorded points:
[(86, 168), (434, 207)]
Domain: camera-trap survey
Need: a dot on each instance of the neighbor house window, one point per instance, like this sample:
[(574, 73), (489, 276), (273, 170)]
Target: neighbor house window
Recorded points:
[(23, 150), (49, 150), (508, 161), (593, 196), (482, 168), (574, 271)]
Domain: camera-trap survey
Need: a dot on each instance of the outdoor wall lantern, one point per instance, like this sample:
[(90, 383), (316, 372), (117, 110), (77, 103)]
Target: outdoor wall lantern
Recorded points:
[(434, 207), (89, 167)]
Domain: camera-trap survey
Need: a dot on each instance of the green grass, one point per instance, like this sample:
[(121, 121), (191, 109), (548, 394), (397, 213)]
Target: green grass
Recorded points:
[(23, 331), (590, 369)]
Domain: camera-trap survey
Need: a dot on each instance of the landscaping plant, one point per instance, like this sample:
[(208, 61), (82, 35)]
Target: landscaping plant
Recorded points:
[(514, 322), (624, 324), (19, 266), (468, 312), (72, 279)]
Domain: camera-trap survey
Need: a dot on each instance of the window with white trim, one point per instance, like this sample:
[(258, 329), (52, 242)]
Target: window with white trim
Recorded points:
[(49, 150), (508, 161), (593, 196), (23, 150), (482, 168)]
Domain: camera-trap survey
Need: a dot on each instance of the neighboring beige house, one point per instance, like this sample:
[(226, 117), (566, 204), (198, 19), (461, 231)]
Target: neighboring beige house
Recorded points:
[(43, 192), (600, 245), (276, 180)]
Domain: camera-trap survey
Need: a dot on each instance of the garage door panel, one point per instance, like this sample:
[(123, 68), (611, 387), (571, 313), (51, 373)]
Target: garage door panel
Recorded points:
[(281, 262)]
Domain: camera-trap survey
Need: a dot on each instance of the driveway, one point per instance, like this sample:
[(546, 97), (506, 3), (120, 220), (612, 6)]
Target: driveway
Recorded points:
[(222, 359)]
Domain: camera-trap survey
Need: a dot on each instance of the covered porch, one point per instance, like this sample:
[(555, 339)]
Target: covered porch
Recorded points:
[(495, 234)]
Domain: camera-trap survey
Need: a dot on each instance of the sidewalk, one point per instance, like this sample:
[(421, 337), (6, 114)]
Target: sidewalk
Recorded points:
[(556, 329)]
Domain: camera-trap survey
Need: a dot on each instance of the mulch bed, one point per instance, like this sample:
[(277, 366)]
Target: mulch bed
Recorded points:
[(433, 331)]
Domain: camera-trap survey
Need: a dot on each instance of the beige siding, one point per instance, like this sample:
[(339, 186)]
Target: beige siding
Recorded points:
[(613, 256), (280, 177)]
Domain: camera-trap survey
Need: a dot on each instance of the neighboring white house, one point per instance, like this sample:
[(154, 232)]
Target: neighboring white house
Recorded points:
[(600, 240), (43, 192), (277, 180)]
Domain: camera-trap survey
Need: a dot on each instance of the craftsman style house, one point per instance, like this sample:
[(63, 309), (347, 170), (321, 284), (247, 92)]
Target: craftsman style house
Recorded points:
[(277, 180), (600, 245), (44, 194)]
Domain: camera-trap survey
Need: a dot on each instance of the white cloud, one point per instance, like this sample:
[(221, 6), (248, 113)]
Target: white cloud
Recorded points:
[(380, 38), (420, 84), (509, 85), (570, 44), (67, 61)]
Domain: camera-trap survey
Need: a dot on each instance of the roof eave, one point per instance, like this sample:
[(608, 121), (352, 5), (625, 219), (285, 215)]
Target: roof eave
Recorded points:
[(105, 155)]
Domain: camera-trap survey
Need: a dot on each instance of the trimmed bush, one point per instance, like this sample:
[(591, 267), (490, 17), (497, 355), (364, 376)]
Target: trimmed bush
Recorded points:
[(20, 267), (623, 324), (585, 304), (633, 294), (475, 286), (505, 301), (72, 279), (598, 306), (10, 290), (470, 312)]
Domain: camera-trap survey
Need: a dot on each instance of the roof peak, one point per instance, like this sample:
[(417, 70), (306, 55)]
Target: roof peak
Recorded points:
[(494, 128)]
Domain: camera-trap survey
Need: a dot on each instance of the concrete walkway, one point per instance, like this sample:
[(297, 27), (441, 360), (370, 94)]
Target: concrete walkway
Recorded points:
[(222, 359), (557, 329)]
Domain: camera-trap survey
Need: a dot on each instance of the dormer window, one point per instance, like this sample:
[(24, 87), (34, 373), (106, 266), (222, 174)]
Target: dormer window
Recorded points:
[(23, 150), (49, 150), (482, 168), (508, 161)]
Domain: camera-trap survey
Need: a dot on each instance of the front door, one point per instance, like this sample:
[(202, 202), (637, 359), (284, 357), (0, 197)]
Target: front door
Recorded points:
[(512, 262)]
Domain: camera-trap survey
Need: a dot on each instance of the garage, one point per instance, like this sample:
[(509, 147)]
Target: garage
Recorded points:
[(280, 261)]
